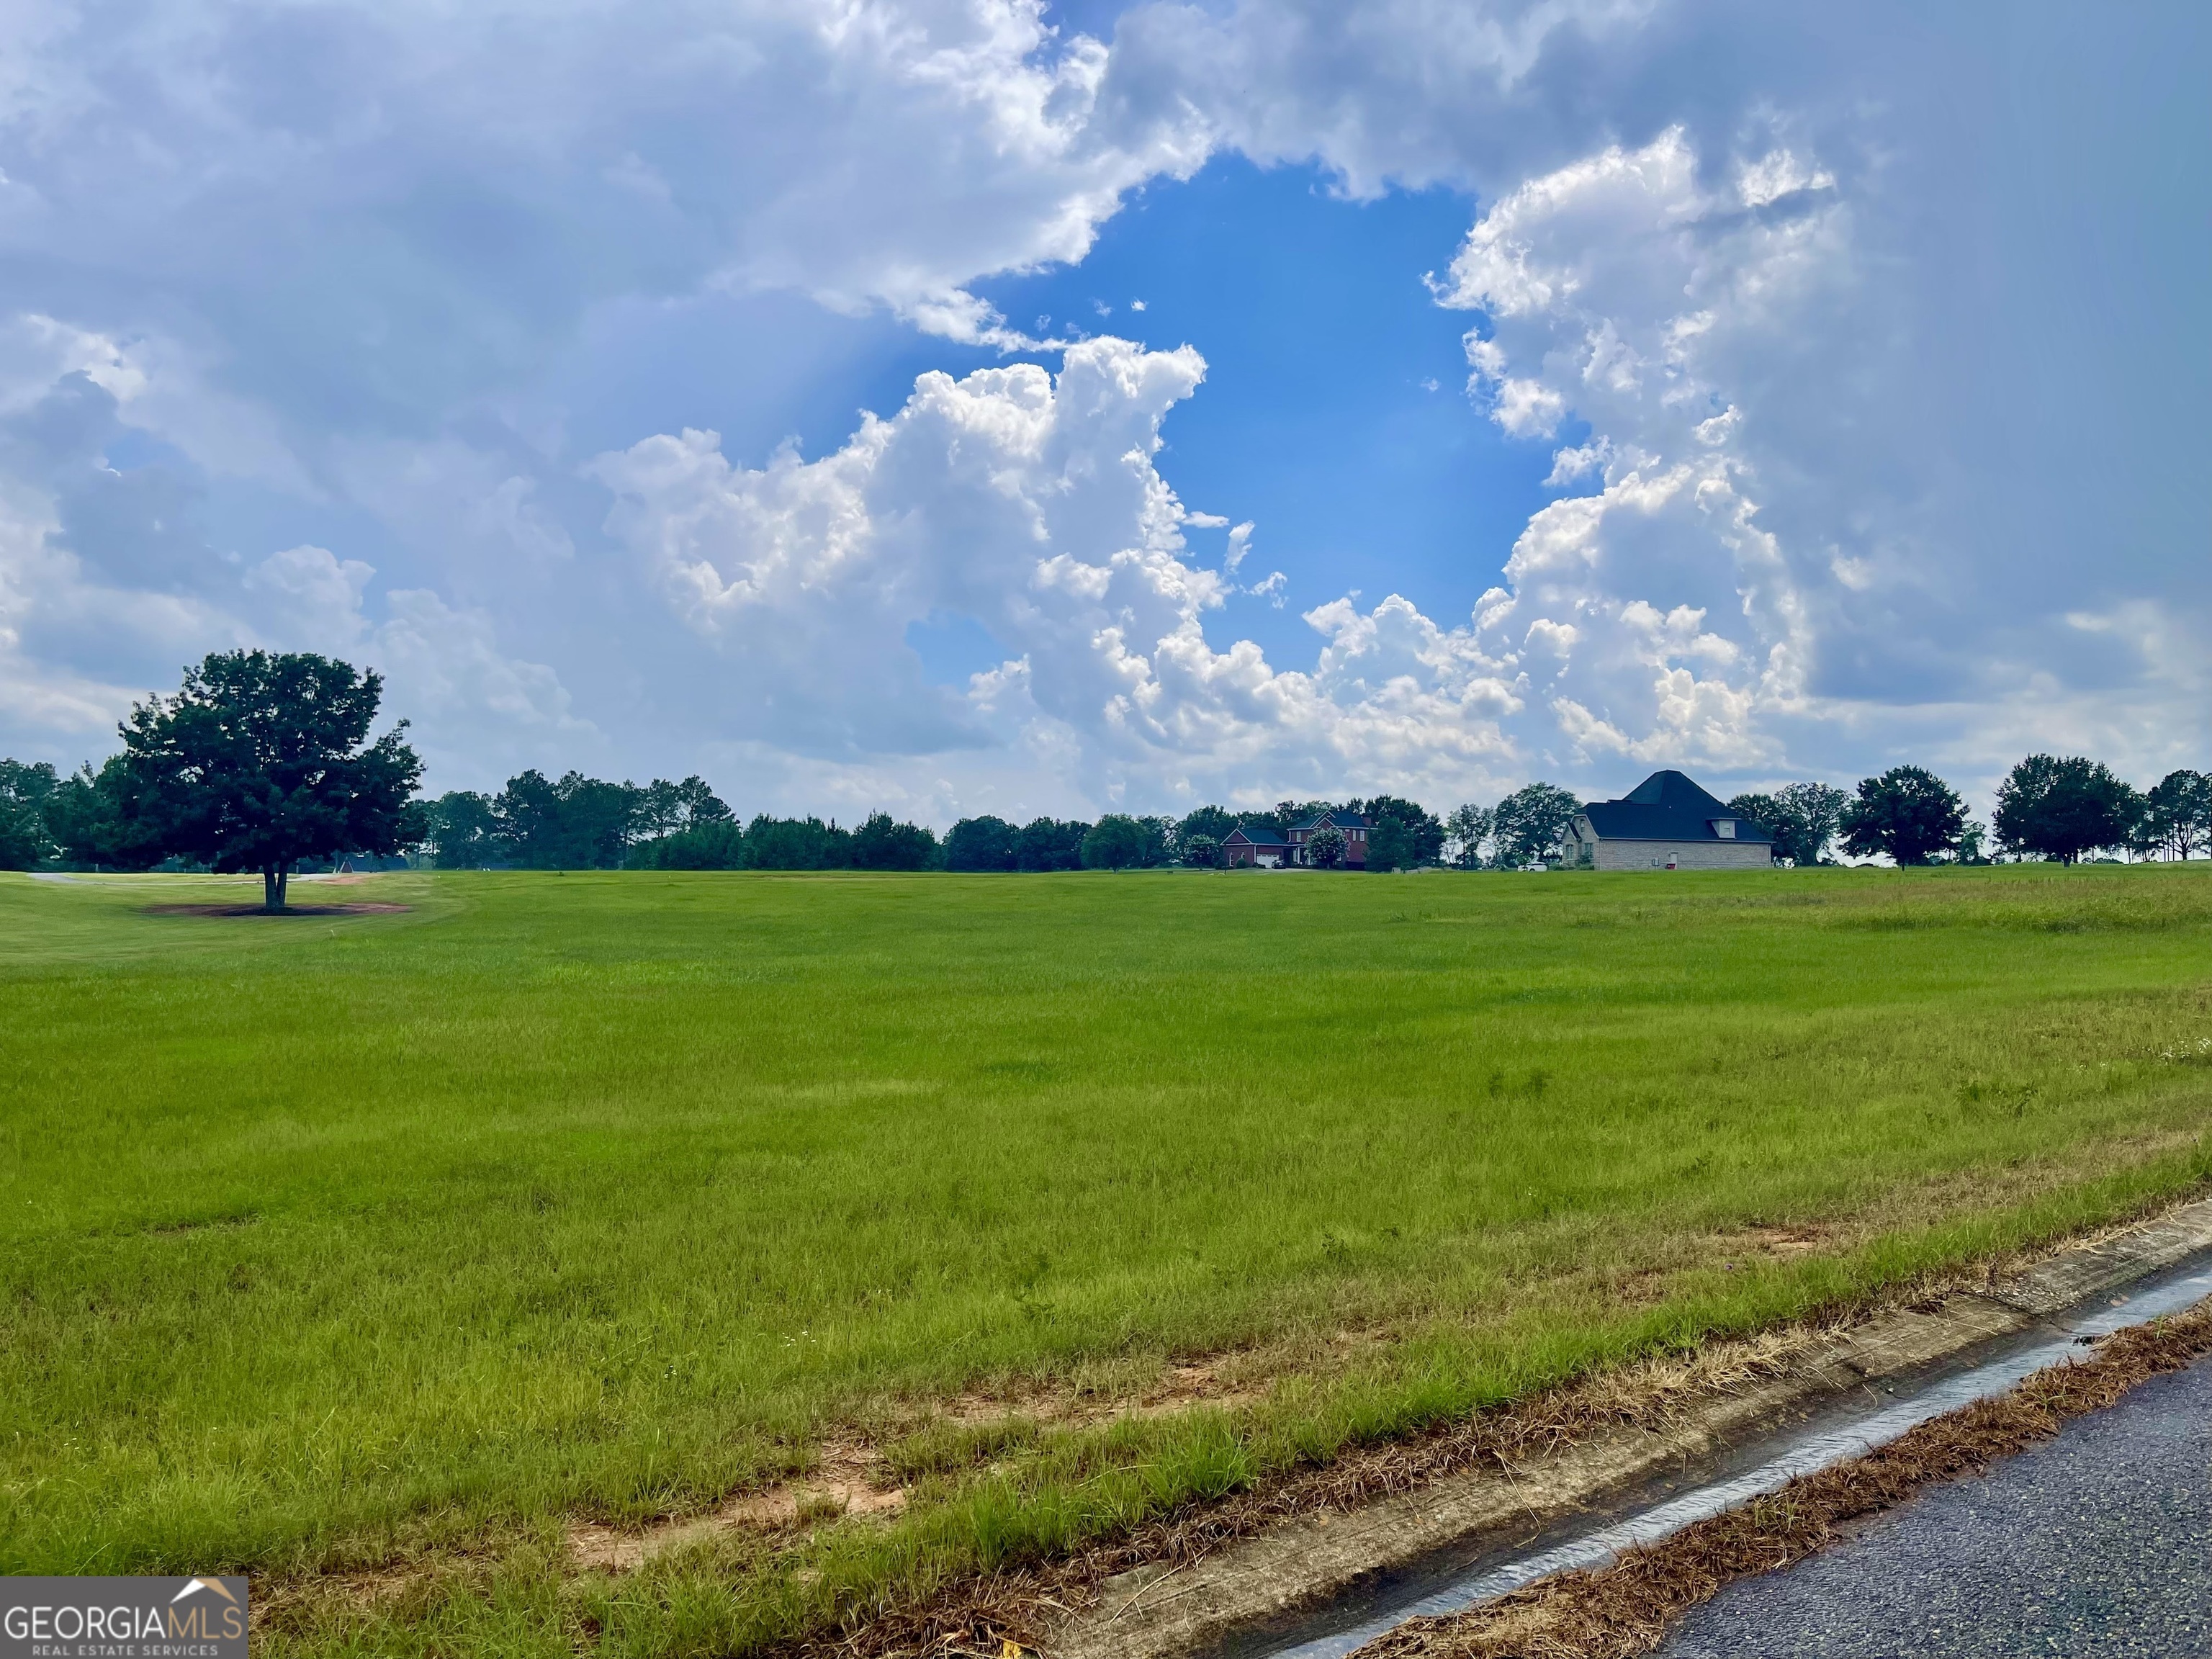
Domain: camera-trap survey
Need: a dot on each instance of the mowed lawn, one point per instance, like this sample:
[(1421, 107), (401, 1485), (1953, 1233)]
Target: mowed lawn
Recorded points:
[(338, 1243)]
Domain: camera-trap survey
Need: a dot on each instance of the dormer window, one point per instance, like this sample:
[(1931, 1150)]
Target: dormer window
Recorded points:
[(1725, 827)]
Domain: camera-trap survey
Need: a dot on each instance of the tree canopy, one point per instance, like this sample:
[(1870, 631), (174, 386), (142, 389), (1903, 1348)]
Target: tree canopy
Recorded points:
[(1802, 818), (1051, 844), (1468, 829), (714, 844), (2177, 817), (1815, 811), (26, 840), (986, 843), (1532, 821), (574, 822), (460, 831), (2059, 809), (1118, 841), (883, 844), (1405, 836), (1215, 824), (1907, 812), (262, 760)]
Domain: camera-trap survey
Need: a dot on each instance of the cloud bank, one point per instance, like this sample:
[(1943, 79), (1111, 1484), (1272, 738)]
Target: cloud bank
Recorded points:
[(1859, 449)]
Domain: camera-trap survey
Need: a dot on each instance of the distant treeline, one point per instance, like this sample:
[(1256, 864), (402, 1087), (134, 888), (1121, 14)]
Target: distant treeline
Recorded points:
[(576, 823), (265, 761), (2049, 807)]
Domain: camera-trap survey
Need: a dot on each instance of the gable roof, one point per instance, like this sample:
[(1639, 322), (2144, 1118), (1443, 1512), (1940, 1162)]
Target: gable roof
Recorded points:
[(1667, 806), (1263, 837), (1338, 819)]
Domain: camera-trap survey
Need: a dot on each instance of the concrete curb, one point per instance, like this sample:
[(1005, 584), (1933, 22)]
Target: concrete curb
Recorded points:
[(1156, 1613)]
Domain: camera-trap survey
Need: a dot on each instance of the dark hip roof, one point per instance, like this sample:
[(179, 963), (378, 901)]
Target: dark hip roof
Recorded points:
[(1667, 806)]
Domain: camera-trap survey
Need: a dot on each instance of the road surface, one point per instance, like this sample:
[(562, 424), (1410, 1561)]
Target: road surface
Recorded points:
[(2097, 1543)]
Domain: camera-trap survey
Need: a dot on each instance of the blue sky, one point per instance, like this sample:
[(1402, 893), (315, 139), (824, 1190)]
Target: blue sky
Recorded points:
[(952, 406)]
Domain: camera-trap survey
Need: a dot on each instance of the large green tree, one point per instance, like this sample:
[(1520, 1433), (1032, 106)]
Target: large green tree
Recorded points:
[(796, 844), (1533, 821), (1406, 834), (1802, 818), (1907, 812), (1051, 844), (2178, 814), (1816, 811), (26, 841), (1468, 828), (982, 844), (460, 830), (84, 816), (883, 844), (264, 759), (2060, 808), (1118, 841), (574, 822), (1390, 846), (668, 809)]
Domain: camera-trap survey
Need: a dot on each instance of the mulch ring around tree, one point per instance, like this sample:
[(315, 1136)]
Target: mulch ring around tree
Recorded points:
[(289, 910)]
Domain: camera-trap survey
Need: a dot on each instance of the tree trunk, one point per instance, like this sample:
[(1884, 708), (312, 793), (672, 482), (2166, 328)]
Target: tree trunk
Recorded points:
[(272, 888)]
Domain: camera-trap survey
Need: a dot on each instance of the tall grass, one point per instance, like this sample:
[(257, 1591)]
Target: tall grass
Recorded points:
[(330, 1242)]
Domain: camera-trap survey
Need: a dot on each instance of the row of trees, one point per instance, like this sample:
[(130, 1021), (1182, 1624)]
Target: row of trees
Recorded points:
[(1405, 835), (2049, 807), (771, 843), (263, 761), (576, 823), (571, 823)]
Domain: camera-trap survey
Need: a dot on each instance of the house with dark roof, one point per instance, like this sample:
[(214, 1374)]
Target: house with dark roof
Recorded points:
[(1667, 823), (1262, 846), (1354, 827)]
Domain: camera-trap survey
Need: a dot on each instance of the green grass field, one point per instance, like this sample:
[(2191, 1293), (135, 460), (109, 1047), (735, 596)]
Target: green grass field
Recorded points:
[(341, 1244)]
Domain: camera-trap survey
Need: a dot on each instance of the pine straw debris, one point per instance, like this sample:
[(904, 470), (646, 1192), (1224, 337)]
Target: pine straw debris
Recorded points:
[(1623, 1610), (1014, 1610)]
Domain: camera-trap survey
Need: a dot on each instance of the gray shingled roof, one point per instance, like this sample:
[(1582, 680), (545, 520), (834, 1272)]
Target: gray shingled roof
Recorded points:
[(1255, 837), (1341, 819), (1667, 806)]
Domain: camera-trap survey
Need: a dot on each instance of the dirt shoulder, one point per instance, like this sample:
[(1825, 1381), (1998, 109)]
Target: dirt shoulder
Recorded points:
[(1264, 1556)]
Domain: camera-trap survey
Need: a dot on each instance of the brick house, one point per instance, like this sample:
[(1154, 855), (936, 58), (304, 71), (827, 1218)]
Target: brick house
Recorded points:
[(1354, 826), (1667, 823), (1262, 846)]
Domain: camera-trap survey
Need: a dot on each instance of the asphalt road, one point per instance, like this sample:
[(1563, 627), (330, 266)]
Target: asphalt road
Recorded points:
[(2098, 1543)]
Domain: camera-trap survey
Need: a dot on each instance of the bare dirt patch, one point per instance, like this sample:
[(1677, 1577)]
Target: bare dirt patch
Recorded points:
[(1779, 1243), (845, 1482), (854, 1478), (1623, 1610), (304, 910)]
